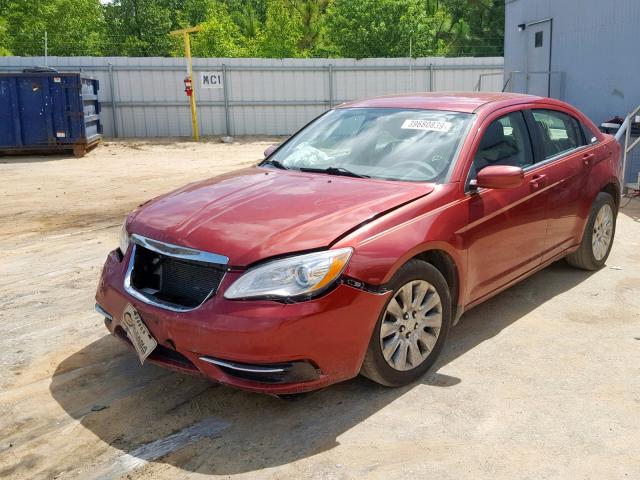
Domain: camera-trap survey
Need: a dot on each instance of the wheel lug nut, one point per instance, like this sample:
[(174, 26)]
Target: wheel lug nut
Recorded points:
[(408, 334), (414, 314), (406, 316), (415, 327), (402, 328)]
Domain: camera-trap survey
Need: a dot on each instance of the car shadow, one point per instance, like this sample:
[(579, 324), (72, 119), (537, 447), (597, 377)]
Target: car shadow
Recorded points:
[(126, 406)]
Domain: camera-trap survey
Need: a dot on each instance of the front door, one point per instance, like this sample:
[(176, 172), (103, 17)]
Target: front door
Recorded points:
[(538, 58), (506, 229)]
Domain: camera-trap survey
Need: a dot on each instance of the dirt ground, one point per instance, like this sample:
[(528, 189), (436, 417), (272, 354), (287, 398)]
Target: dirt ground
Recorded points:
[(543, 381)]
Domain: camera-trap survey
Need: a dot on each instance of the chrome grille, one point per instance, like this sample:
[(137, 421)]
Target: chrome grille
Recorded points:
[(169, 276)]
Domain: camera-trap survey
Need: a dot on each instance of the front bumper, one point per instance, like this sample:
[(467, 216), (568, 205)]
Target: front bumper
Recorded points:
[(317, 343)]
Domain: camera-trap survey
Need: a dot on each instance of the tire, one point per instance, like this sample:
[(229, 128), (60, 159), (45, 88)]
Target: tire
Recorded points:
[(410, 334), (591, 254)]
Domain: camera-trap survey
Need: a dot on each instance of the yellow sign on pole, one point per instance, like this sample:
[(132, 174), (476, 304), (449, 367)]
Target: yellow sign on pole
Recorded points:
[(192, 98)]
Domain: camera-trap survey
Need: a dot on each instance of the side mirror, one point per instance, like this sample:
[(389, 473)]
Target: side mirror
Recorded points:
[(270, 150), (499, 176)]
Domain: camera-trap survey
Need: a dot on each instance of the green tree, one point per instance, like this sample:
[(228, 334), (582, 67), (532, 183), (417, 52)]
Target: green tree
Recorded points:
[(248, 22), (141, 27), (237, 7), (77, 28), (220, 36), (26, 23), (311, 14), (477, 26), (249, 15), (193, 12), (269, 28), (74, 27), (382, 28), (5, 39), (282, 31)]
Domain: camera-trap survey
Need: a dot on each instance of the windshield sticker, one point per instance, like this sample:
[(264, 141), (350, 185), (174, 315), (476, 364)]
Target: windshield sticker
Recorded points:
[(429, 125)]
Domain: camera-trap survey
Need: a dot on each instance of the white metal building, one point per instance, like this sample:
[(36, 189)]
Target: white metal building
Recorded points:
[(584, 52)]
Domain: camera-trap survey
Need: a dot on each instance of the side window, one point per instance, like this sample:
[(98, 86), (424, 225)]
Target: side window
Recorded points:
[(505, 142), (589, 136), (559, 132)]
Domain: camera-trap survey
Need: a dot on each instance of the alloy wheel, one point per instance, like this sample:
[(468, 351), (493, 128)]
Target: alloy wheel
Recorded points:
[(602, 232), (411, 325)]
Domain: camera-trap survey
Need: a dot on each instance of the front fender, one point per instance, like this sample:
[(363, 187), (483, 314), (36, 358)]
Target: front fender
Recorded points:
[(384, 246)]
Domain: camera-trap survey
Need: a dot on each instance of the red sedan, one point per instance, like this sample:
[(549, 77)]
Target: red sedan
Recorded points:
[(357, 243)]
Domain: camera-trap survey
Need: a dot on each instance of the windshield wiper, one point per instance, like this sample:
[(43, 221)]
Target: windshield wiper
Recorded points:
[(334, 171), (274, 163)]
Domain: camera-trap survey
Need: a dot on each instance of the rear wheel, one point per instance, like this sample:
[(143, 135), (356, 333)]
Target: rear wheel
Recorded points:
[(412, 327), (598, 235)]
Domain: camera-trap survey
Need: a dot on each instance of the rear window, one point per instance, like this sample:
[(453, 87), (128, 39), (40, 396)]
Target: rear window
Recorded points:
[(589, 135)]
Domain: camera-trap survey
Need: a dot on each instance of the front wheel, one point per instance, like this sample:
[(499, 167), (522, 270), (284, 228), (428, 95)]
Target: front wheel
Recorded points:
[(598, 235), (412, 327)]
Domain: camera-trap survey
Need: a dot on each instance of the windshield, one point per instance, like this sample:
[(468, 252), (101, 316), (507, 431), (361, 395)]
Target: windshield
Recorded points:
[(387, 143)]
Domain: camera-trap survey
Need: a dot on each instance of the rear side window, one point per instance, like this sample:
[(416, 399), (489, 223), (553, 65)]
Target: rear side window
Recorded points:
[(559, 132), (589, 136), (505, 142)]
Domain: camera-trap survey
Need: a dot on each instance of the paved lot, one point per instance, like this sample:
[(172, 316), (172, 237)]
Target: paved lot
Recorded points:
[(543, 381)]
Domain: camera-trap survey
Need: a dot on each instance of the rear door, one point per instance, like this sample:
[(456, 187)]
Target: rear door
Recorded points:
[(506, 228), (564, 156)]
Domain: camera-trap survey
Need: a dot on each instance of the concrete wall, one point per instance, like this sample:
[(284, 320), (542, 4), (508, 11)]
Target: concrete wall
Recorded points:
[(595, 43), (144, 97)]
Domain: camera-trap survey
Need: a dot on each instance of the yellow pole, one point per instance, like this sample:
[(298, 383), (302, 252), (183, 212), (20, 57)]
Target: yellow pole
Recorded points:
[(192, 99)]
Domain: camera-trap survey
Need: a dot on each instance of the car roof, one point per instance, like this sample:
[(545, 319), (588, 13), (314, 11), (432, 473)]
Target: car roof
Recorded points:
[(467, 102)]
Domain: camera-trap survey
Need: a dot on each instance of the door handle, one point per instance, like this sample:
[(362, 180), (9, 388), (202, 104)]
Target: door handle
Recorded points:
[(588, 159), (538, 181)]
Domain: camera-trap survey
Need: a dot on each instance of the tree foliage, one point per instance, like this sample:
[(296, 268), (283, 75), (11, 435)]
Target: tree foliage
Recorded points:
[(140, 27), (267, 28), (74, 27), (282, 31), (220, 35), (381, 28), (478, 25), (4, 38), (311, 14)]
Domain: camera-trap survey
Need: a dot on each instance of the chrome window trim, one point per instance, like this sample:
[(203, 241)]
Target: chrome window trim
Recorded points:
[(559, 156), (532, 167), (169, 250)]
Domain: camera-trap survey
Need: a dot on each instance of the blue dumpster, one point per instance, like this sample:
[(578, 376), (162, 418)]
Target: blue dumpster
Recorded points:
[(45, 111)]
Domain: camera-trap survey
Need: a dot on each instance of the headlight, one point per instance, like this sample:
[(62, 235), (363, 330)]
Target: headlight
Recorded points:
[(124, 238), (291, 277)]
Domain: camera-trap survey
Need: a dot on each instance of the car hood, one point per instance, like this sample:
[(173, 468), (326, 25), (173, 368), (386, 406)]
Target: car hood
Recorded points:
[(256, 213)]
